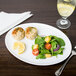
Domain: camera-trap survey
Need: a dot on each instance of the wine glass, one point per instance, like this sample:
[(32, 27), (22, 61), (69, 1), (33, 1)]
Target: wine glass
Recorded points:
[(65, 9)]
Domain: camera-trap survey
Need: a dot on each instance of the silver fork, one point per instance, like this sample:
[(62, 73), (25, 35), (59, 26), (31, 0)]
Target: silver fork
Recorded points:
[(59, 71)]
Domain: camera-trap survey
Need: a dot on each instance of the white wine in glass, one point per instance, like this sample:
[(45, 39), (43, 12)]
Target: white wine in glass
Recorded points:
[(65, 9)]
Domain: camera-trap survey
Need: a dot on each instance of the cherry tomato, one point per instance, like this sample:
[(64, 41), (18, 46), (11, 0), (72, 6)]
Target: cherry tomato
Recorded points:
[(35, 52), (48, 46)]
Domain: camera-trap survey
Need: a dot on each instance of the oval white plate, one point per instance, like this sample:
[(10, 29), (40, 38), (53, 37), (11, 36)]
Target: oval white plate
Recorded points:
[(43, 30)]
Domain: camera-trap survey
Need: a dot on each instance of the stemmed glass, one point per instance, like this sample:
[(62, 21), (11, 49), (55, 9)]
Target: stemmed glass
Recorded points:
[(65, 9)]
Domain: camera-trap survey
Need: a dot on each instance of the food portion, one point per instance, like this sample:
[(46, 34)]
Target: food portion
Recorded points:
[(47, 46), (44, 47), (18, 33), (20, 46), (31, 33)]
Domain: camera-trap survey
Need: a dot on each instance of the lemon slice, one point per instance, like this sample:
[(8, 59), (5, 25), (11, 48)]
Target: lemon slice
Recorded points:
[(20, 46)]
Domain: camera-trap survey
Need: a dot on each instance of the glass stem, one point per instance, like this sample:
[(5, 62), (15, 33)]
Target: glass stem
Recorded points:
[(63, 21), (64, 18)]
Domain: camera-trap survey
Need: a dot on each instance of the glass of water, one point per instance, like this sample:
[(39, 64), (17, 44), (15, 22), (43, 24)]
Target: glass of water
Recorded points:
[(65, 9)]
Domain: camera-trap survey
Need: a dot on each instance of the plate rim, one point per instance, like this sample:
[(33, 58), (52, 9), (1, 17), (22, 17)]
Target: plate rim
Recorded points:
[(34, 63)]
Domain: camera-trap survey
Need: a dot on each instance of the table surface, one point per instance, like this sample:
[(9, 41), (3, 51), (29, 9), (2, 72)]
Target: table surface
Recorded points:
[(44, 11)]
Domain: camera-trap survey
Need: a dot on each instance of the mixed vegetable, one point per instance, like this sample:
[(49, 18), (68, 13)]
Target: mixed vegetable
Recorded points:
[(47, 46)]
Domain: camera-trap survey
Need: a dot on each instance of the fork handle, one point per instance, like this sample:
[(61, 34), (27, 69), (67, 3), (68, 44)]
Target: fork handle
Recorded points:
[(59, 71)]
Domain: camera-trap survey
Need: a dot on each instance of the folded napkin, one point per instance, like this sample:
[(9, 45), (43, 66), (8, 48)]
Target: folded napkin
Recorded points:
[(9, 20)]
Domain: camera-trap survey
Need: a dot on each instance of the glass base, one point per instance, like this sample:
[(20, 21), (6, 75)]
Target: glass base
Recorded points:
[(63, 23)]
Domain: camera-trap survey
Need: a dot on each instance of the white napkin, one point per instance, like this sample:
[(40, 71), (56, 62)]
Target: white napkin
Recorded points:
[(9, 20)]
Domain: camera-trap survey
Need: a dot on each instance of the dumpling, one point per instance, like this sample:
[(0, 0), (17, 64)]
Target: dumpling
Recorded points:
[(31, 33), (18, 33)]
